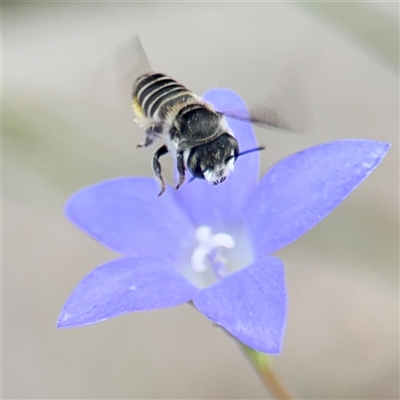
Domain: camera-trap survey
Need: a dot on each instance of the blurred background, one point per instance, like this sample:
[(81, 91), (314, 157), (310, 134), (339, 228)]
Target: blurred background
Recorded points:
[(65, 125)]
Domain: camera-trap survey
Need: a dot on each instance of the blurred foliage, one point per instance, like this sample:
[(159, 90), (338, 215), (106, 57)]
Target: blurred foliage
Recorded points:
[(367, 25), (48, 151)]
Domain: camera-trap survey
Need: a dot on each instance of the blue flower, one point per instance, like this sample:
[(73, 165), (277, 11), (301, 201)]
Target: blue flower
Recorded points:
[(212, 245)]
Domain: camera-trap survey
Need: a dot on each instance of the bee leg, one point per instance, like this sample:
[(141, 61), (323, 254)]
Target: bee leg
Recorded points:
[(181, 169), (157, 167), (152, 134), (147, 142)]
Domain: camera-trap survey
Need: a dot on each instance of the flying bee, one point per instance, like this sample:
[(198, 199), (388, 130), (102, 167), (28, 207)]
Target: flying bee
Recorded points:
[(194, 133)]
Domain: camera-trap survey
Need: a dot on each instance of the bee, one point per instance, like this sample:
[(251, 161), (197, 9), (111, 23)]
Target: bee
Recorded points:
[(194, 133)]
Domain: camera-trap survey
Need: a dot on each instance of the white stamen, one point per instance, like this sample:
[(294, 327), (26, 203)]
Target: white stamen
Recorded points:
[(203, 234), (206, 243), (198, 259), (223, 240)]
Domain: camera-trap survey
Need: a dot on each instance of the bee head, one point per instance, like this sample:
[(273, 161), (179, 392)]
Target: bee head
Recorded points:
[(215, 160)]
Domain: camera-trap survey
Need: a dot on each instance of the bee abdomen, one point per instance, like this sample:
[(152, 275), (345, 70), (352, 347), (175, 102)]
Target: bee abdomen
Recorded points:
[(156, 93)]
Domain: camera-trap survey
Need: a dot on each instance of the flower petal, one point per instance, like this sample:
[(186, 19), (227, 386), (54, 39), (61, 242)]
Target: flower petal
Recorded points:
[(305, 187), (122, 286), (127, 216), (214, 205), (250, 304)]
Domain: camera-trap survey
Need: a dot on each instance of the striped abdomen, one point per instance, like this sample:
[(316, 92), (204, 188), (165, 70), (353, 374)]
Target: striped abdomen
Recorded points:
[(156, 94)]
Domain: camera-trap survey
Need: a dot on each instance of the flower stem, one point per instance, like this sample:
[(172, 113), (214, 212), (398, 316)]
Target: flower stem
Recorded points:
[(263, 364)]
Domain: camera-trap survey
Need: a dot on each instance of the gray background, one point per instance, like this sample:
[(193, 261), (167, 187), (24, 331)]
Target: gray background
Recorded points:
[(65, 126)]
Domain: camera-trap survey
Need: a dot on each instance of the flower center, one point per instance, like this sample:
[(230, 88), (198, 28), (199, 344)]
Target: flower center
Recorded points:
[(206, 255)]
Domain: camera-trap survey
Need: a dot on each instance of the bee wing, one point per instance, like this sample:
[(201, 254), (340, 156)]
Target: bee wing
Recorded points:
[(264, 118), (112, 83), (131, 62), (287, 108)]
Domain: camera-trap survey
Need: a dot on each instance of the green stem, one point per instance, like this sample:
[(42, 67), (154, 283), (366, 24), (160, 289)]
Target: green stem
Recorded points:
[(263, 365)]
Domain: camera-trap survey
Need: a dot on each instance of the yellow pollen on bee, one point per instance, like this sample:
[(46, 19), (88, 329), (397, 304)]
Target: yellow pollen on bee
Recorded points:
[(137, 109)]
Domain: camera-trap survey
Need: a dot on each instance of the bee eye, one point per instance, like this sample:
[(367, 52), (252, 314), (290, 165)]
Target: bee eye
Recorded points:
[(198, 171)]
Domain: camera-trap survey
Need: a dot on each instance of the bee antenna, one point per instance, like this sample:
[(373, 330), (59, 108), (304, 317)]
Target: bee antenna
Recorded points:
[(251, 151), (247, 152)]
